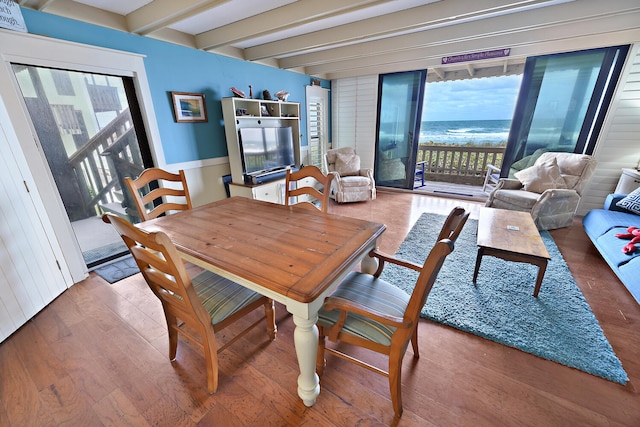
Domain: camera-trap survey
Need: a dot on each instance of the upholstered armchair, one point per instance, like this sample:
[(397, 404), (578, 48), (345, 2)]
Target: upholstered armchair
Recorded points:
[(350, 182), (550, 189)]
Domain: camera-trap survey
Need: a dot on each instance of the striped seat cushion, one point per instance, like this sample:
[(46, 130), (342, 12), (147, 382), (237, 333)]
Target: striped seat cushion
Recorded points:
[(370, 292), (221, 297)]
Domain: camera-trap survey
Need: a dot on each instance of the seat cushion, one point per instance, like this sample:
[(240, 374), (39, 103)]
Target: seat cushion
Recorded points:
[(221, 297), (355, 182), (371, 292)]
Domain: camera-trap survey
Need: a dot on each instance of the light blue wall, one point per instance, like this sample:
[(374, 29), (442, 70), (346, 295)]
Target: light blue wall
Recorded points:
[(176, 68)]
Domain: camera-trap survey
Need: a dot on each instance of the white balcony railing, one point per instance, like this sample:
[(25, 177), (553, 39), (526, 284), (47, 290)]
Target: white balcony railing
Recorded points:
[(458, 164)]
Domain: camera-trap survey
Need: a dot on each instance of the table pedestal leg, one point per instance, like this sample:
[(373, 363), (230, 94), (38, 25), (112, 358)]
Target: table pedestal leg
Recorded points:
[(305, 338), (369, 265)]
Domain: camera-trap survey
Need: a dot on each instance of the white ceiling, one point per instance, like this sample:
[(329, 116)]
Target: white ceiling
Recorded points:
[(343, 38)]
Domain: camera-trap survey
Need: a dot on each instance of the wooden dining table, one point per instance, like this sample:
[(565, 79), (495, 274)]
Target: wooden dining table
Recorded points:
[(294, 255)]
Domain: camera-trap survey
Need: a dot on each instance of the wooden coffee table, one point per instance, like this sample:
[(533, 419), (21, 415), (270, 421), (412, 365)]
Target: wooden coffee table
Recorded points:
[(512, 236)]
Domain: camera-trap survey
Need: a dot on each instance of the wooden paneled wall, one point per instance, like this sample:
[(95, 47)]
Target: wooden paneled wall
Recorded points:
[(619, 142)]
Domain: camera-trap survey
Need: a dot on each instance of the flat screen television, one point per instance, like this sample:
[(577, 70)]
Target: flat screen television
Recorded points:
[(266, 149)]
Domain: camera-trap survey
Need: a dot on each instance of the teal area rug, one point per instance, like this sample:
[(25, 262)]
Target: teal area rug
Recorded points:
[(558, 325)]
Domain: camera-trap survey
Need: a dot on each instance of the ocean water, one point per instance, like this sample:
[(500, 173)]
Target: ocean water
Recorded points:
[(461, 132)]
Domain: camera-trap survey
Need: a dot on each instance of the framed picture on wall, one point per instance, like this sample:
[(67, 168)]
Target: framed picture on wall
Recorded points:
[(189, 107)]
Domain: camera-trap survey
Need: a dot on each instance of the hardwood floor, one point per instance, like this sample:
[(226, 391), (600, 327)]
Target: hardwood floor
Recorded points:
[(98, 355)]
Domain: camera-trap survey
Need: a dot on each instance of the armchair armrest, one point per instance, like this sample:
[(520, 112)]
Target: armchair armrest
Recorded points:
[(492, 169), (336, 175), (384, 257), (549, 201), (368, 173), (508, 184)]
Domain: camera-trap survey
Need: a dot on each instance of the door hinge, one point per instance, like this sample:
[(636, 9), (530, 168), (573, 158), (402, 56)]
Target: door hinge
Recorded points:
[(26, 186)]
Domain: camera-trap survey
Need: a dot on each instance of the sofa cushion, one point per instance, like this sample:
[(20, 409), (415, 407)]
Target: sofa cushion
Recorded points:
[(601, 225), (628, 274), (541, 176), (611, 246), (598, 221), (631, 202)]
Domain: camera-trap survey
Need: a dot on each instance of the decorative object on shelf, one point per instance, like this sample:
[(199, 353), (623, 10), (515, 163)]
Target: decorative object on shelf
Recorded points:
[(250, 92), (315, 82), (189, 107), (282, 95), (266, 95), (237, 92), (264, 112)]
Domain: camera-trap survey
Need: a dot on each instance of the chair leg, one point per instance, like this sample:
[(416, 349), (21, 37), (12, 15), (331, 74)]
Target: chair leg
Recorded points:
[(270, 313), (414, 343), (172, 328), (320, 361), (211, 357), (395, 382)]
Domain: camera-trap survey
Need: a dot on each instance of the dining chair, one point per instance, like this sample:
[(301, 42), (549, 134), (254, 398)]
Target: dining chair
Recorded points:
[(200, 305), (155, 184), (299, 184), (369, 312)]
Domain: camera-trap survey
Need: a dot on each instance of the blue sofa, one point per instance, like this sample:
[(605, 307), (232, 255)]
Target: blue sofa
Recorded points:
[(601, 225)]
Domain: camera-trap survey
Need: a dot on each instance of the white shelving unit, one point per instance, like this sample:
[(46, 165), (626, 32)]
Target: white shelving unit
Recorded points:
[(241, 112)]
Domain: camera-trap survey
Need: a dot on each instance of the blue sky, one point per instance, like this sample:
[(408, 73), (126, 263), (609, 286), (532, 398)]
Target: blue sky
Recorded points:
[(476, 99)]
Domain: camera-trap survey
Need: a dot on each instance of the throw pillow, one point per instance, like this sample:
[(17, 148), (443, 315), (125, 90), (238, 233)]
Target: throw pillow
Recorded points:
[(542, 176), (347, 164), (631, 202)]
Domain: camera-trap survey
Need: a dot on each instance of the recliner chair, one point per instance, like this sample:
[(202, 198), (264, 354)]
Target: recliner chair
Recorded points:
[(350, 182), (550, 189)]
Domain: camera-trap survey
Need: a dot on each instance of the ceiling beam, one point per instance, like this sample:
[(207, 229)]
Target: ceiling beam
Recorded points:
[(289, 16), (470, 70), (82, 12), (161, 13), (417, 19)]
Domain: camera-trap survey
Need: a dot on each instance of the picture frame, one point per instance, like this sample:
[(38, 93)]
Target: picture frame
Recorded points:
[(189, 107)]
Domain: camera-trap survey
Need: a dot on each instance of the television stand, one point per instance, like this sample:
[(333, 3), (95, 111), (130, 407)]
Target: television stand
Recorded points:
[(270, 191), (263, 178)]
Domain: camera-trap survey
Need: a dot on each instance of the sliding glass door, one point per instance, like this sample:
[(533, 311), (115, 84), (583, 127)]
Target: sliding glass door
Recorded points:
[(562, 102), (400, 102)]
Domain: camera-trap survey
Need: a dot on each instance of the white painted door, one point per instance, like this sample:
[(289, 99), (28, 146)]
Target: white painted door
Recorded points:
[(30, 276)]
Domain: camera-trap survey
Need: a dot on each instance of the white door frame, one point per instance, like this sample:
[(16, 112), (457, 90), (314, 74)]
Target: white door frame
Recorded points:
[(35, 50)]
